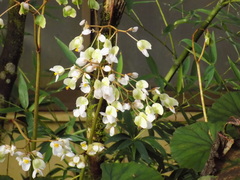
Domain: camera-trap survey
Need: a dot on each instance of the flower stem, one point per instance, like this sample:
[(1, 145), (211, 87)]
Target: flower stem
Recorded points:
[(201, 91), (37, 39), (166, 24), (94, 123)]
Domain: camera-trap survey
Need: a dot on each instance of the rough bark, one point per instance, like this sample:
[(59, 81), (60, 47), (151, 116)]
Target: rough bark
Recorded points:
[(11, 53)]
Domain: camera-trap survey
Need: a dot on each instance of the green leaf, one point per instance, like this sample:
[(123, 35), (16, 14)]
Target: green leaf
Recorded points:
[(69, 54), (70, 125), (23, 92), (130, 126), (117, 137), (155, 144), (142, 150), (191, 145), (226, 106), (129, 5), (180, 78), (3, 177), (213, 50), (29, 119), (119, 65), (41, 98), (207, 178), (186, 66), (208, 75), (234, 68), (128, 171), (10, 109), (119, 145)]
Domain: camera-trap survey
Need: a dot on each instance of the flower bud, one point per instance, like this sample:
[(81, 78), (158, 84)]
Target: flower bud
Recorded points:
[(69, 11), (24, 8), (93, 4), (1, 23), (62, 2)]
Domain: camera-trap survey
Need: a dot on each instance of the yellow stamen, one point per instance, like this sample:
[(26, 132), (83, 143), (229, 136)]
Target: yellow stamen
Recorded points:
[(26, 161)]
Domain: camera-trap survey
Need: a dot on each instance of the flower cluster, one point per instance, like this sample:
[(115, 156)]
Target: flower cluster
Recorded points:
[(24, 159), (94, 68), (60, 148), (93, 148)]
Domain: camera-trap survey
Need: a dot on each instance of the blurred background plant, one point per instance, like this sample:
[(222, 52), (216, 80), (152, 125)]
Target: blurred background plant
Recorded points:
[(203, 75)]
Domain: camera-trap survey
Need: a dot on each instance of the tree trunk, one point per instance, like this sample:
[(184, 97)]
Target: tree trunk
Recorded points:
[(11, 53)]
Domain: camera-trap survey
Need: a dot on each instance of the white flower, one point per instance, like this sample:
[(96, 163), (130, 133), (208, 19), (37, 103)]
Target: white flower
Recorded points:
[(82, 22), (76, 44), (103, 89), (118, 105), (111, 77), (101, 38), (111, 57), (109, 93), (143, 46), (86, 31), (85, 88), (124, 80), (150, 113), (126, 106), (155, 91), (57, 148), (106, 46), (134, 75), (77, 160), (142, 121), (1, 23), (157, 108), (61, 148), (74, 73), (81, 103), (168, 102), (94, 148), (96, 56), (88, 53), (138, 94), (37, 153), (110, 115), (142, 84), (138, 104), (82, 60), (107, 68), (135, 29), (98, 147), (25, 162), (81, 111), (58, 71), (84, 145), (111, 128), (38, 166), (6, 149), (2, 153), (70, 83)]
